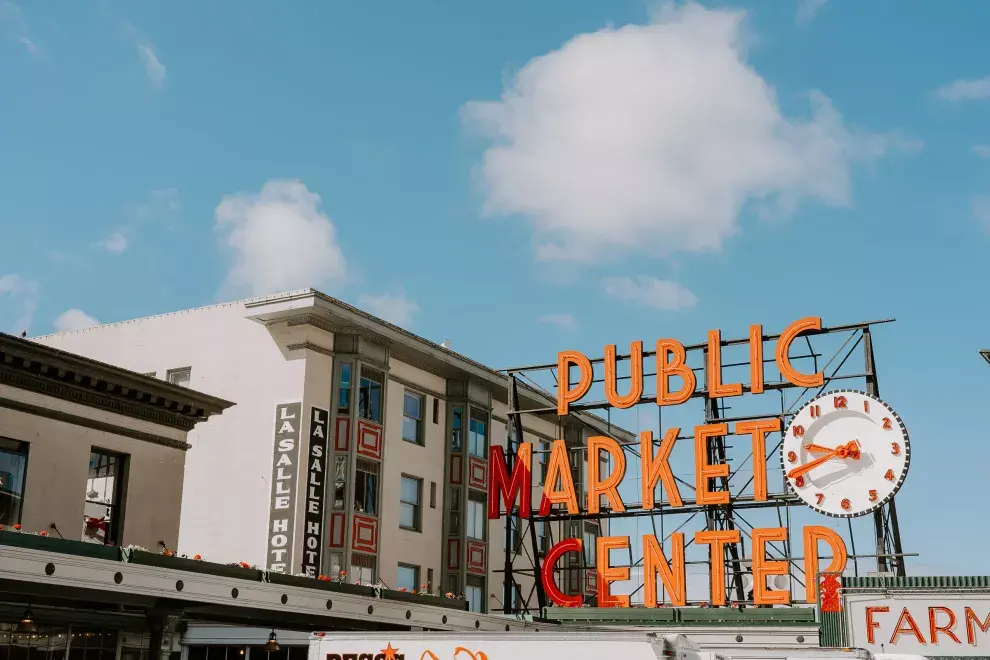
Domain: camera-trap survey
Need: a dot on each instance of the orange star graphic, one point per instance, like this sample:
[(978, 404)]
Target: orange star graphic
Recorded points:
[(389, 652)]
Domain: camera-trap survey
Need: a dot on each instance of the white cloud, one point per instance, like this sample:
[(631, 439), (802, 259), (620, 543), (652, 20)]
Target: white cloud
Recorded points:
[(653, 137), (394, 308), (965, 90), (280, 239), (115, 243), (562, 321), (981, 210), (807, 10), (74, 319), (650, 292), (23, 296), (11, 16), (982, 150), (153, 68)]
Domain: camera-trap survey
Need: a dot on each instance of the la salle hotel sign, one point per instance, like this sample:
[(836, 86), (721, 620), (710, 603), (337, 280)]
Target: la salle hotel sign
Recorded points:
[(845, 453)]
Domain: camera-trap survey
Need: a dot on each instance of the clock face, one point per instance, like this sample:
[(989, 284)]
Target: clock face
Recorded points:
[(845, 453)]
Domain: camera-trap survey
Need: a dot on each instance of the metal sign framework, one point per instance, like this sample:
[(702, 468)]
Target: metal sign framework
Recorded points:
[(886, 542)]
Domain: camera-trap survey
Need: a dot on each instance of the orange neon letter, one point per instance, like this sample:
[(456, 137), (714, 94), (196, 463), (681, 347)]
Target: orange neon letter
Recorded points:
[(872, 625), (608, 486), (565, 394), (558, 467), (812, 535), (705, 470), (717, 539), (972, 619), (550, 563), (635, 376), (756, 359), (654, 467), (714, 371), (609, 574), (907, 624), (763, 567), (520, 486), (672, 575), (758, 429), (675, 367), (789, 334), (935, 629)]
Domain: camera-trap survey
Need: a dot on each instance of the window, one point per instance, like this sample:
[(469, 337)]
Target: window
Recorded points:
[(336, 562), (362, 569), (410, 503), (102, 509), (370, 395), (477, 517), (412, 418), (433, 494), (339, 481), (454, 520), (13, 469), (455, 429), (408, 578), (590, 544), (179, 376), (150, 374), (436, 410), (429, 580), (474, 592), (344, 390), (540, 457), (453, 584), (542, 536), (366, 487), (478, 432)]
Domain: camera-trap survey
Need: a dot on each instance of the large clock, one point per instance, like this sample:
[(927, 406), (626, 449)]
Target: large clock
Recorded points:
[(845, 453)]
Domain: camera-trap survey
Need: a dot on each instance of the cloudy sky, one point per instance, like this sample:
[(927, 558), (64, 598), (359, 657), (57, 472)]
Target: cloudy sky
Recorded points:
[(524, 177)]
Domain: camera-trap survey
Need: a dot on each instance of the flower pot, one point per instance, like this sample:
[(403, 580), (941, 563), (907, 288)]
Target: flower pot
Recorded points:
[(312, 583), (192, 565), (55, 544), (425, 599)]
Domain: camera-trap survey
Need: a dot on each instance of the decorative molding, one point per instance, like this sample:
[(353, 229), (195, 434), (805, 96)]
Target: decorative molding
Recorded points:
[(310, 346), (101, 400), (76, 420), (538, 434), (422, 366), (419, 388), (313, 320)]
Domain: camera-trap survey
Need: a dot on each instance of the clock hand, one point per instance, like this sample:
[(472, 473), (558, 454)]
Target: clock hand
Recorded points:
[(811, 465), (818, 449)]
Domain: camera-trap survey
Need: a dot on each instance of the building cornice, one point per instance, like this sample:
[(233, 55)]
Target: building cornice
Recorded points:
[(538, 434), (35, 367), (419, 388), (310, 346), (78, 420)]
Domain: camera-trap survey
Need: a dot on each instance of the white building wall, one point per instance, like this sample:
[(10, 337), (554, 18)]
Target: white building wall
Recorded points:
[(228, 469)]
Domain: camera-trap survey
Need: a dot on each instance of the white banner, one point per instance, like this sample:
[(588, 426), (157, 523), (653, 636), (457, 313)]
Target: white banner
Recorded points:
[(950, 624)]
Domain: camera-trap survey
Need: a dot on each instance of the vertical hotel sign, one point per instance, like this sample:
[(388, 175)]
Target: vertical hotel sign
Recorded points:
[(285, 468), (315, 490)]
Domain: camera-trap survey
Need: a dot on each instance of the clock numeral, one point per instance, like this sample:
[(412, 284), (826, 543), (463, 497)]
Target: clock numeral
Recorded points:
[(873, 496), (816, 411), (895, 449), (839, 401), (799, 481), (798, 431), (846, 504), (889, 476), (791, 457), (886, 424), (820, 497), (866, 406)]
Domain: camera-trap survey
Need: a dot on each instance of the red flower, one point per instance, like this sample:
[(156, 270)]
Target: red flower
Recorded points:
[(244, 564), (197, 557), (43, 533), (17, 527)]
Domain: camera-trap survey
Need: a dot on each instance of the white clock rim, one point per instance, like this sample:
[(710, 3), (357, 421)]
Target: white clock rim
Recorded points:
[(897, 486)]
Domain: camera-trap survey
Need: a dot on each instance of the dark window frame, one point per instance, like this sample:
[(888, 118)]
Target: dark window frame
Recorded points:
[(420, 425), (115, 531), (417, 506), (416, 572), (17, 448), (368, 407), (172, 372)]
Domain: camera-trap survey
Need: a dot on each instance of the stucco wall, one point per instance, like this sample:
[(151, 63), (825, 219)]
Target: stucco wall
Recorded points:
[(58, 467), (225, 502)]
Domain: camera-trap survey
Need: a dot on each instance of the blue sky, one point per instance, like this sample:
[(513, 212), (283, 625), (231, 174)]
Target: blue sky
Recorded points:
[(524, 177)]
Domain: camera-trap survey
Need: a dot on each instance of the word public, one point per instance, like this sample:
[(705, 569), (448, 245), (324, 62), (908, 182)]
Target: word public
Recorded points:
[(514, 488)]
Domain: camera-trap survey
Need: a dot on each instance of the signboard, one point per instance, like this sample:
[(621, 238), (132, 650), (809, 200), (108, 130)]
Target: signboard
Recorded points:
[(315, 490), (285, 468), (932, 624), (844, 453)]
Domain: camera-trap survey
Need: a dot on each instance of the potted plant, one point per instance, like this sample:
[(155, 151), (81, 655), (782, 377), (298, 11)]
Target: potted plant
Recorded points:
[(15, 536), (167, 559)]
